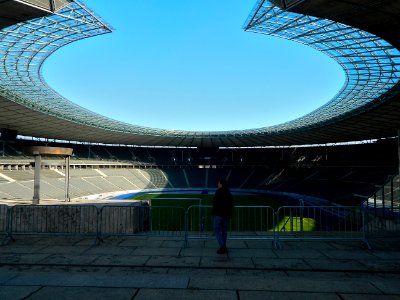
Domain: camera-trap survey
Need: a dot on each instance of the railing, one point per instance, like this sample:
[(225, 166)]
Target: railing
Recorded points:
[(320, 223), (195, 222), (248, 222), (4, 219), (123, 220), (120, 220), (53, 219), (383, 207)]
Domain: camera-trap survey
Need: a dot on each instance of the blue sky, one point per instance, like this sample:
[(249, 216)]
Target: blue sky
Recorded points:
[(189, 65)]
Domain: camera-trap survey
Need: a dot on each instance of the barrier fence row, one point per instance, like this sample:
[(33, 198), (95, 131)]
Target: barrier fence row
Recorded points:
[(193, 222)]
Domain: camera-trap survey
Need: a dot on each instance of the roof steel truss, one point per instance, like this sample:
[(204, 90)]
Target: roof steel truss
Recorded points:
[(370, 63)]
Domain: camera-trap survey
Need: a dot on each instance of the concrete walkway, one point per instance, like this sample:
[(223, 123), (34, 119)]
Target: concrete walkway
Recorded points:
[(161, 268)]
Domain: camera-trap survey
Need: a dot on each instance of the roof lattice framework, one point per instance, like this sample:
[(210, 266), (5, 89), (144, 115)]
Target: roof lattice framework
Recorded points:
[(25, 46), (371, 65)]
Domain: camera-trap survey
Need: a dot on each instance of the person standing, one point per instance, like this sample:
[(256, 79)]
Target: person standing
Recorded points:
[(222, 212)]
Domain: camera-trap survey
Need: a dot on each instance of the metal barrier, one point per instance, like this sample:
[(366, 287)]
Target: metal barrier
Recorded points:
[(380, 221), (320, 223), (167, 220), (142, 220), (288, 223), (198, 222), (4, 220), (383, 208), (247, 223), (54, 219), (253, 222), (123, 220)]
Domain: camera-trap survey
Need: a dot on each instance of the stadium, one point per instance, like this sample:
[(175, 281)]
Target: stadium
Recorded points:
[(345, 153)]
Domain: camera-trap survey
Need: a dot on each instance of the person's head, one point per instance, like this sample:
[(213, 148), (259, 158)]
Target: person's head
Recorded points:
[(222, 183)]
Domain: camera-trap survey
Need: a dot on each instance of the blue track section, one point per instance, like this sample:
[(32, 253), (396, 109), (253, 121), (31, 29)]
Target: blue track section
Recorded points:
[(163, 191), (206, 192), (286, 199)]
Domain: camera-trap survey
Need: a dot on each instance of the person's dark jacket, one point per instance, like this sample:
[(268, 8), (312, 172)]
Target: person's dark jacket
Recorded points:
[(223, 203)]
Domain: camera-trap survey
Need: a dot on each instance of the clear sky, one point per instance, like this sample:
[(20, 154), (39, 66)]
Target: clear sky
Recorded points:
[(188, 64)]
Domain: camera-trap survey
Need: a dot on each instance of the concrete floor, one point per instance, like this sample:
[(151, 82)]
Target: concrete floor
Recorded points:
[(162, 268)]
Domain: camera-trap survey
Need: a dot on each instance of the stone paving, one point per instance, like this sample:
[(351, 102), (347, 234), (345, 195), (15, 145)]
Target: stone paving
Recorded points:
[(162, 268)]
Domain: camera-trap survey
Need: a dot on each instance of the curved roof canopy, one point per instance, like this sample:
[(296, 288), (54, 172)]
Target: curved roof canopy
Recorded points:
[(366, 107), (15, 11)]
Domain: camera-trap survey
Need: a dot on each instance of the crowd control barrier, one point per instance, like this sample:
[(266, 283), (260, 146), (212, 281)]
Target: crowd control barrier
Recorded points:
[(142, 220), (287, 223), (340, 223), (4, 220), (54, 220), (247, 223)]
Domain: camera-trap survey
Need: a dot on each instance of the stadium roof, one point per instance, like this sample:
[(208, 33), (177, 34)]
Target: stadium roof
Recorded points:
[(367, 106), (15, 11)]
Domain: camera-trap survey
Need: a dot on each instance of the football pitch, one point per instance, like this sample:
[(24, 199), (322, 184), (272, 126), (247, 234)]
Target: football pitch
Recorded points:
[(186, 200), (252, 213)]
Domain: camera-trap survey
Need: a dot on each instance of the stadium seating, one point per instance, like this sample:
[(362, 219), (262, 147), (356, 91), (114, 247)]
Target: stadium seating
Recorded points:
[(334, 173)]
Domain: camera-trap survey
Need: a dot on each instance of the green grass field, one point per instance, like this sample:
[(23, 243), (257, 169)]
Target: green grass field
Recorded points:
[(240, 200), (296, 224), (168, 213)]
